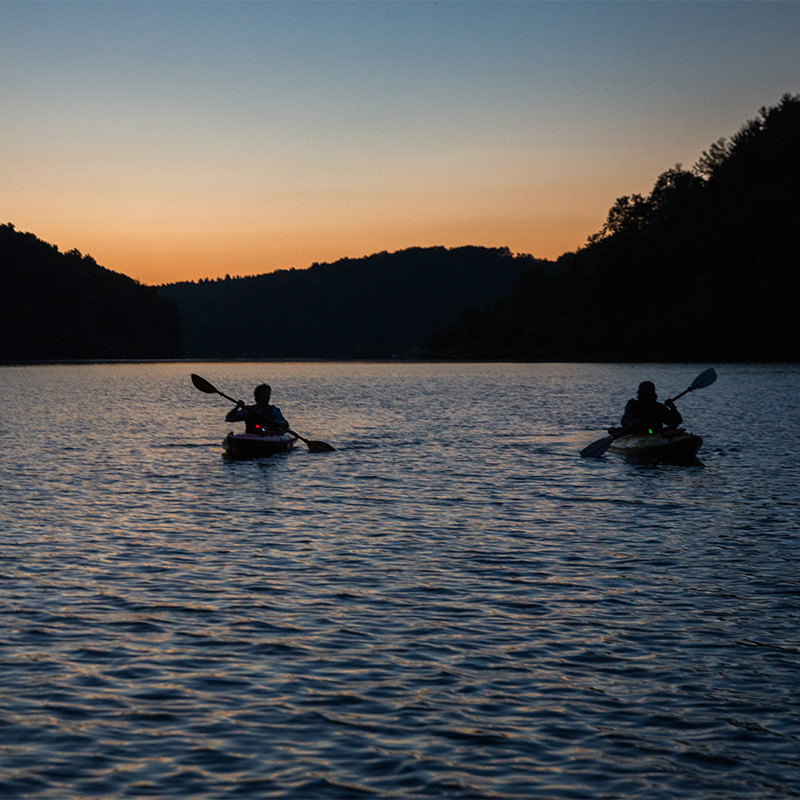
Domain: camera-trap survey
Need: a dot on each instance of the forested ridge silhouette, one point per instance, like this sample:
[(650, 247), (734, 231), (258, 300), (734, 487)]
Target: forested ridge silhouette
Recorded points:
[(380, 306), (705, 268), (64, 306)]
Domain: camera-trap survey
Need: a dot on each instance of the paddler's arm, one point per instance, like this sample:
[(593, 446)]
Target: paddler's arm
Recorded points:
[(673, 416), (629, 416), (278, 419), (238, 414)]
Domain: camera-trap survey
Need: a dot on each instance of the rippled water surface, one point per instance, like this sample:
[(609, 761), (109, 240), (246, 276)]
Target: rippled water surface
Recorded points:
[(451, 605)]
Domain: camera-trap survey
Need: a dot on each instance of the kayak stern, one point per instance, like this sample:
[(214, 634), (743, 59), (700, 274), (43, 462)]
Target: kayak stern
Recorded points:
[(256, 445)]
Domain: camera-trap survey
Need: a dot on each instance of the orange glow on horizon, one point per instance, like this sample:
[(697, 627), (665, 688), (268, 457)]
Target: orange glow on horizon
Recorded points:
[(155, 258), (185, 141)]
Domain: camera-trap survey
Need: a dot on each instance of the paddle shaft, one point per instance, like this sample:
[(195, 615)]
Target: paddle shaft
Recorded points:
[(235, 402), (678, 396)]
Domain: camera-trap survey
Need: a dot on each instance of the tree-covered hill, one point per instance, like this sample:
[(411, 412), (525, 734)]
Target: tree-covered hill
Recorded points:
[(63, 306), (379, 306), (707, 267)]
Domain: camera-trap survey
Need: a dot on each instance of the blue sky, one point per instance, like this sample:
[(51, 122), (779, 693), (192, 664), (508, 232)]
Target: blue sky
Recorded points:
[(181, 140)]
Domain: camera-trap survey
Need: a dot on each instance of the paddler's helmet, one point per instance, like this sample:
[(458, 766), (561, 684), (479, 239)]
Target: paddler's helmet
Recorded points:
[(262, 392), (647, 390)]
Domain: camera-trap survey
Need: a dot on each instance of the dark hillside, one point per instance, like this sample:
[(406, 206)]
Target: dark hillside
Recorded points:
[(380, 306), (707, 267), (64, 306)]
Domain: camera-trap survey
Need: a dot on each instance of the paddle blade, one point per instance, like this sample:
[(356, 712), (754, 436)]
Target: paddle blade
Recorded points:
[(596, 449), (704, 379), (203, 385), (314, 447), (319, 447)]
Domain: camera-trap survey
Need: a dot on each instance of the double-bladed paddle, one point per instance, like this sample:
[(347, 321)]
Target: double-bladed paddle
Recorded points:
[(596, 449), (204, 386)]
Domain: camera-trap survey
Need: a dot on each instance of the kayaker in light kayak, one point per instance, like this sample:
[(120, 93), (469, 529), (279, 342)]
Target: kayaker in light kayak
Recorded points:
[(261, 415), (644, 414)]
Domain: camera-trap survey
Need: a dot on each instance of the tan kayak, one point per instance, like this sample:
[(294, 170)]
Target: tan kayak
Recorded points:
[(679, 447)]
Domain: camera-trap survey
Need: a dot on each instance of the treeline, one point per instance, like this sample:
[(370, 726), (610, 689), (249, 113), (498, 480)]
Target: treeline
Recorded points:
[(381, 306), (64, 306), (705, 268)]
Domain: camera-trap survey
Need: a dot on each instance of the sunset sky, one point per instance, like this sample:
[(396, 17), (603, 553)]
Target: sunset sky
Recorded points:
[(184, 140)]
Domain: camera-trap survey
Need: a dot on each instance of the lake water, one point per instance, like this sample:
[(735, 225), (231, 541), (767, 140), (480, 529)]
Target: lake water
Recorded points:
[(451, 605)]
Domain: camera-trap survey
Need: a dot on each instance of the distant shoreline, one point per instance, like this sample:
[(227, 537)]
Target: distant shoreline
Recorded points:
[(109, 361)]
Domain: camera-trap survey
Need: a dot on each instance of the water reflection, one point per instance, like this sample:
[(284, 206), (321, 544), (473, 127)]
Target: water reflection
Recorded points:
[(453, 604)]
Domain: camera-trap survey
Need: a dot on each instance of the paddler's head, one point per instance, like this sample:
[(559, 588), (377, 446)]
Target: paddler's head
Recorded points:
[(262, 393), (647, 392)]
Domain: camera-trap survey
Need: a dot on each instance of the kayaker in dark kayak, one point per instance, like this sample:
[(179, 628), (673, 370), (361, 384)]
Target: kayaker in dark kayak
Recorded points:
[(644, 414), (261, 415)]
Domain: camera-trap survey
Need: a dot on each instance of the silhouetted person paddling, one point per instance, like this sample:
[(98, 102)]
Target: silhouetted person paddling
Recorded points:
[(261, 416), (644, 414)]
